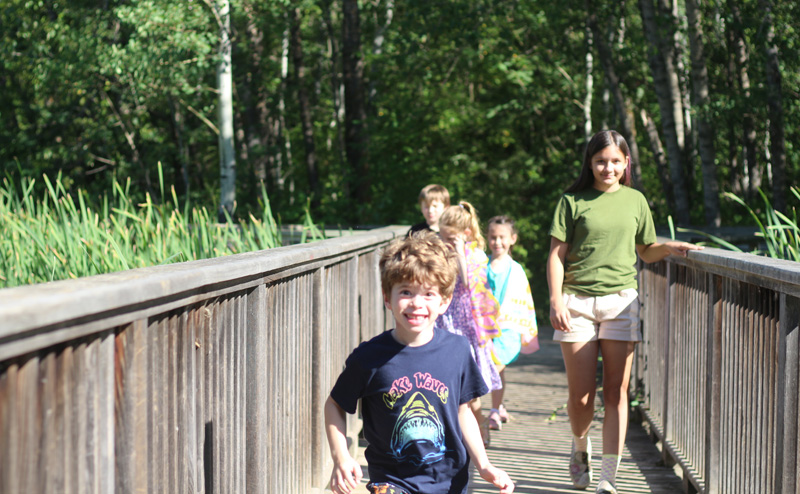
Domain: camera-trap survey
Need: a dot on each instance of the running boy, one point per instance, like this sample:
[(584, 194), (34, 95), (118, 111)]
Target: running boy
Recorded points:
[(433, 200), (415, 385)]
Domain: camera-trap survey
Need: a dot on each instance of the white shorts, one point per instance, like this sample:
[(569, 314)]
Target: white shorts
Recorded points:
[(608, 317)]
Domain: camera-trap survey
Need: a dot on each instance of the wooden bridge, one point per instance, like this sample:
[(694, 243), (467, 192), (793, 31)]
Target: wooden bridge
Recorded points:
[(209, 376)]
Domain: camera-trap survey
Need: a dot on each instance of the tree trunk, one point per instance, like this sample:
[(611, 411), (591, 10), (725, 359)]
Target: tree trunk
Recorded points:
[(278, 171), (255, 101), (627, 124), (658, 154), (740, 56), (775, 105), (674, 36), (662, 65), (739, 183), (377, 45), (587, 100), (337, 91), (182, 151), (305, 110), (227, 158), (354, 106), (705, 132), (741, 61), (668, 39)]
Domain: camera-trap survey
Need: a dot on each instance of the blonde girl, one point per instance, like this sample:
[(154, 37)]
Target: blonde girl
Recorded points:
[(473, 310)]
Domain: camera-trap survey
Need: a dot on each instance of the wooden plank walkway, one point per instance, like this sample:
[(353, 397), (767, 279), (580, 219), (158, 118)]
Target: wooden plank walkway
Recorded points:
[(534, 447)]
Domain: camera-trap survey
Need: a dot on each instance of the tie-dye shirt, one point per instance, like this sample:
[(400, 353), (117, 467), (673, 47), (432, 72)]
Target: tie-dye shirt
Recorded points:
[(473, 314)]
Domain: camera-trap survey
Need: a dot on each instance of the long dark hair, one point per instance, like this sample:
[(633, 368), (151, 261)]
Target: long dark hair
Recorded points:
[(503, 220), (597, 143)]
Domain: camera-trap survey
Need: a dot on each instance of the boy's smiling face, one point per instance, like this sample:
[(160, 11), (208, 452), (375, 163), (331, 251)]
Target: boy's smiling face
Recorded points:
[(415, 308)]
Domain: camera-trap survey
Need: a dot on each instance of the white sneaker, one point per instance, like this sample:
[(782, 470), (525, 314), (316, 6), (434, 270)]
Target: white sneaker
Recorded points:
[(605, 487), (580, 466)]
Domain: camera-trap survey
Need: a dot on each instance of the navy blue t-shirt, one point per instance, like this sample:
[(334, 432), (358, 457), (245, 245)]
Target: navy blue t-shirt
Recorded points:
[(410, 399)]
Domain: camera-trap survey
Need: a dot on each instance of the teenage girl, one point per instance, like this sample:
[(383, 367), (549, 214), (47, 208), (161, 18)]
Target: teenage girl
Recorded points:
[(473, 309), (599, 226), (517, 319)]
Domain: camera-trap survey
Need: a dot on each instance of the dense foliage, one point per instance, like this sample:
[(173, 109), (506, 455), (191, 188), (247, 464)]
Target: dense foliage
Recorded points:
[(489, 98)]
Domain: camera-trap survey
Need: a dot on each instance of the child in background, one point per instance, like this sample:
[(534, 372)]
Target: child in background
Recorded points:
[(473, 310), (433, 199), (414, 384), (517, 320)]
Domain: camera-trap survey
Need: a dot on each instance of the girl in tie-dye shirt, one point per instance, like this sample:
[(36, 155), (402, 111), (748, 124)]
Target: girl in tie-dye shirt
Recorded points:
[(473, 310)]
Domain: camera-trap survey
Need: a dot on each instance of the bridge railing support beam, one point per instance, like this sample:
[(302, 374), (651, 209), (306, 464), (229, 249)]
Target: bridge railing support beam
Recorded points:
[(787, 411)]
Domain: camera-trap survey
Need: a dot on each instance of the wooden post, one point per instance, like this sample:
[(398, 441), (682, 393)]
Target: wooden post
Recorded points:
[(257, 394), (319, 389), (104, 401), (668, 335), (786, 421), (713, 385), (357, 334), (131, 436)]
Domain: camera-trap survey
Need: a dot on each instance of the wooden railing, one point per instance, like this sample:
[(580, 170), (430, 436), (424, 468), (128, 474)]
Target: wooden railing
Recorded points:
[(209, 376), (204, 376), (717, 372)]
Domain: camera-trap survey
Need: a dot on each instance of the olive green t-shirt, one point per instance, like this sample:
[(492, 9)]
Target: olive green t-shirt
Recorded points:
[(602, 230)]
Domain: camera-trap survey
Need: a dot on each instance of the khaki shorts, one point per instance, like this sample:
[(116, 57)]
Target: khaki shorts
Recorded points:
[(608, 317)]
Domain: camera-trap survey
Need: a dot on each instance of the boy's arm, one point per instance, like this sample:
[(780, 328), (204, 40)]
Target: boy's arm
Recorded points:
[(346, 473), (471, 434)]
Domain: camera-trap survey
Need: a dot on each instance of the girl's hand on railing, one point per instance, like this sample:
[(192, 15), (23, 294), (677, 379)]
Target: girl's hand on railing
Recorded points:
[(657, 251), (681, 248), (346, 476)]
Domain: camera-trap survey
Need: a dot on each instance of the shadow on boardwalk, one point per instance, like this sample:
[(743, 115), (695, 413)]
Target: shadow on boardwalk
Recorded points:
[(535, 450)]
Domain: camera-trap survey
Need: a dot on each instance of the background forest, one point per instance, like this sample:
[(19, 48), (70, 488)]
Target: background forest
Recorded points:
[(349, 107)]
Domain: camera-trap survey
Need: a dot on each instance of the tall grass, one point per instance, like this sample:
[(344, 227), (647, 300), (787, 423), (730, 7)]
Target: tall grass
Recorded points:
[(780, 232), (60, 236)]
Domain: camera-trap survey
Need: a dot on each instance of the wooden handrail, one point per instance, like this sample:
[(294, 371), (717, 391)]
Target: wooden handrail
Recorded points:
[(203, 376), (209, 376)]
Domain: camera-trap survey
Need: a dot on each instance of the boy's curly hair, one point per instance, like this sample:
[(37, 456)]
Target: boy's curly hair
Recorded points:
[(421, 258)]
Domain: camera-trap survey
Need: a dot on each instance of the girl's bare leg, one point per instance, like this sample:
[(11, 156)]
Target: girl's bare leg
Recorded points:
[(497, 394), (617, 362), (497, 401), (580, 360)]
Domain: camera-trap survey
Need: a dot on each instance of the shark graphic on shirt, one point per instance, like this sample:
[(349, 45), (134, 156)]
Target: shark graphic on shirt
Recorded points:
[(418, 435)]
